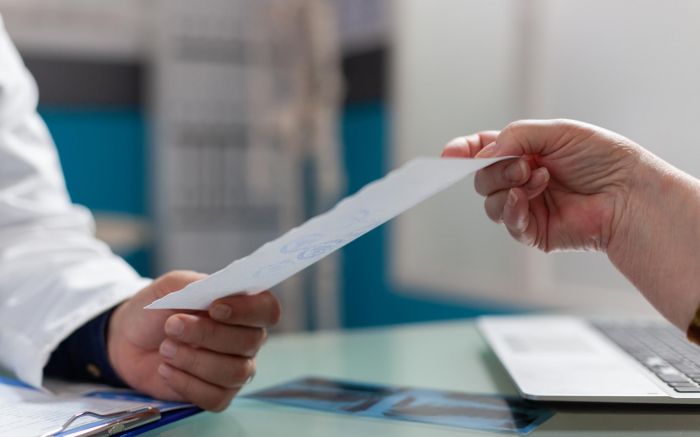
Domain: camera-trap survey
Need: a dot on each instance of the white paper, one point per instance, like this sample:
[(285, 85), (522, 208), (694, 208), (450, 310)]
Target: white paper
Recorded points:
[(27, 411), (354, 216)]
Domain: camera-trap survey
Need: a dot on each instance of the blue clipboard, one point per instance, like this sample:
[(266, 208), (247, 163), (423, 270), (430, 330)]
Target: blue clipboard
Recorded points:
[(168, 412), (153, 414), (165, 419)]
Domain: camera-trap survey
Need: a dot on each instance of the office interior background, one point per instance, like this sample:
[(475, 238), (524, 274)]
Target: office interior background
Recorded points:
[(197, 131)]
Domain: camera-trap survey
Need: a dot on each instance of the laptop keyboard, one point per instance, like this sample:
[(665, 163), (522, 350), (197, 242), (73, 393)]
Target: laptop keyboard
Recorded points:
[(661, 348)]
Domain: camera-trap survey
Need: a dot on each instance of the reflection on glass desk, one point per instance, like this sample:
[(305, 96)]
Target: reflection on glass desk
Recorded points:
[(446, 356)]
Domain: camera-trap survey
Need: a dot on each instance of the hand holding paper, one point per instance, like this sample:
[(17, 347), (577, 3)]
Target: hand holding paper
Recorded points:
[(354, 216)]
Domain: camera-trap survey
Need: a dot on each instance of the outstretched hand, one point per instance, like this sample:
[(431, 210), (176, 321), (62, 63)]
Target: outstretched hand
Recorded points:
[(567, 190), (193, 356)]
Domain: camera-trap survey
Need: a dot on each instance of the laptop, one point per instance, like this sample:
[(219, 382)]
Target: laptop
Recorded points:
[(573, 359)]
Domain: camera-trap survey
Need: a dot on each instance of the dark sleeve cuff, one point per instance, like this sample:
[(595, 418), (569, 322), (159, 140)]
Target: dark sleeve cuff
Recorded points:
[(83, 356)]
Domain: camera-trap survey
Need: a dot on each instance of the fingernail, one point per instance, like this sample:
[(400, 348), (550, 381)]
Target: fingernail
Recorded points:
[(174, 326), (220, 312), (539, 177), (488, 151), (512, 198), (521, 224), (168, 349), (516, 171), (165, 371)]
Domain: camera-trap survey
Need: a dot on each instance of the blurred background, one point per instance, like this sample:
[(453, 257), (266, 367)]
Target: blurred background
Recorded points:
[(196, 131)]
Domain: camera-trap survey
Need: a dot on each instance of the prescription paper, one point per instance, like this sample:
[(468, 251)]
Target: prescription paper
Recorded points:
[(354, 216)]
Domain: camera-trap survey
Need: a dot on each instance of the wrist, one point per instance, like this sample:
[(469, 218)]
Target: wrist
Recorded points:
[(643, 183), (114, 337), (656, 236)]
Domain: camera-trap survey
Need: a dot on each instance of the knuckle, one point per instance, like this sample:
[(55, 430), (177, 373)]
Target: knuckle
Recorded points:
[(198, 331), (193, 362), (207, 330), (185, 385), (565, 122), (516, 125)]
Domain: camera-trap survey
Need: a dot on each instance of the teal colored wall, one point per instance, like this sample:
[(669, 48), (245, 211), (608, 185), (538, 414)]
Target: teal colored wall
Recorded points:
[(369, 298), (104, 157)]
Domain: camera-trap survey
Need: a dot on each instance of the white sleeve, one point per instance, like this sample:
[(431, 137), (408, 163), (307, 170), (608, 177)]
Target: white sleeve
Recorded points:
[(54, 275)]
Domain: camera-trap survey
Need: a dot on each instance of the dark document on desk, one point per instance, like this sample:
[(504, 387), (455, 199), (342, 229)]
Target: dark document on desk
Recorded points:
[(438, 407)]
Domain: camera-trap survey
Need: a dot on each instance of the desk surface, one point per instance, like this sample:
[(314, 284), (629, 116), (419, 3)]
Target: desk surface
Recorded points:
[(448, 356)]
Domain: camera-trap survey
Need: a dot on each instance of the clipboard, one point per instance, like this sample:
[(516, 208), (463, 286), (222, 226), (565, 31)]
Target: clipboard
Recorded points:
[(99, 411), (123, 423)]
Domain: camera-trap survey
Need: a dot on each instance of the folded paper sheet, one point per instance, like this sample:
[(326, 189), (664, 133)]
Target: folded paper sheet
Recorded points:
[(354, 216)]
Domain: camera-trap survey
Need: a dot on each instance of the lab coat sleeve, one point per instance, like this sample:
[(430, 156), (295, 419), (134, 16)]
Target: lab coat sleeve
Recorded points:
[(54, 275)]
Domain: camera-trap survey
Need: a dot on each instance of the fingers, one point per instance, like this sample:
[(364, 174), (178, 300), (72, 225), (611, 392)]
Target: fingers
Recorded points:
[(468, 146), (496, 201), (501, 176), (226, 371), (494, 205), (538, 182), (201, 393), (533, 137), (219, 337), (261, 310), (518, 218)]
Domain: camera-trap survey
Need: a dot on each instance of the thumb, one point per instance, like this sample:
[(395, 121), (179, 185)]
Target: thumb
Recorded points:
[(161, 287), (530, 137), (174, 281), (146, 326)]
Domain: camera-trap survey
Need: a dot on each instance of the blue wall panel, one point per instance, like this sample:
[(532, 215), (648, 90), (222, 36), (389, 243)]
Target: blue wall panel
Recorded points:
[(104, 156)]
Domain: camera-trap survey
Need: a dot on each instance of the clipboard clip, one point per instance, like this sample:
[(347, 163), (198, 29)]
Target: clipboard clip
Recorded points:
[(120, 421)]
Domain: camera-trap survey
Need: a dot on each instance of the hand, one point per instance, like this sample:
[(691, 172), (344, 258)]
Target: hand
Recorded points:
[(198, 357), (568, 190)]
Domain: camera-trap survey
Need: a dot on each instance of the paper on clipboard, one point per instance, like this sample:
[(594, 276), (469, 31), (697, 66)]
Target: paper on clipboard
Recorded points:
[(354, 216), (25, 410)]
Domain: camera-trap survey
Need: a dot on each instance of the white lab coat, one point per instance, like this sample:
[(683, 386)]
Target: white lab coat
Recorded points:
[(54, 275)]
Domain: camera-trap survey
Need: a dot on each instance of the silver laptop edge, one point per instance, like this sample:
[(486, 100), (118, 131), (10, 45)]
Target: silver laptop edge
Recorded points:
[(564, 358)]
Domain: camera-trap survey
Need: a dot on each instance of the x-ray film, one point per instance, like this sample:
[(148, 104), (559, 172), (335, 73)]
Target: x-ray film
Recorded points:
[(437, 407)]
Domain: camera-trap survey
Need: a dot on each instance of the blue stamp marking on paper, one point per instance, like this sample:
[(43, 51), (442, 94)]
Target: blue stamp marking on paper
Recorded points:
[(356, 233), (320, 249), (273, 269), (301, 243), (361, 215)]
